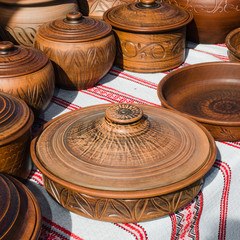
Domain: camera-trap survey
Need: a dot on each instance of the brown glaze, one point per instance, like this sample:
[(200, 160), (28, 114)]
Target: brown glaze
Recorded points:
[(213, 19), (20, 215), (26, 73), (233, 44), (153, 40), (82, 49), (21, 19), (207, 92), (123, 162), (16, 120), (96, 8)]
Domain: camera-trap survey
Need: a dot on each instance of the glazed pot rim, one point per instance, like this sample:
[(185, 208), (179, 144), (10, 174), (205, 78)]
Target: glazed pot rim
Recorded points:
[(129, 194), (198, 119), (228, 42)]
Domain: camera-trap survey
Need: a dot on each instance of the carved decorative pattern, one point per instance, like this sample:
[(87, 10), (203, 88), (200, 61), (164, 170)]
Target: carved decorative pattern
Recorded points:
[(121, 210)]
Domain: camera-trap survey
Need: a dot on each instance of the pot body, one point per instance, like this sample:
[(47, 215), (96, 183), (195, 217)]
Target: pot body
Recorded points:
[(20, 22), (212, 19), (150, 52), (79, 65), (35, 88), (233, 44)]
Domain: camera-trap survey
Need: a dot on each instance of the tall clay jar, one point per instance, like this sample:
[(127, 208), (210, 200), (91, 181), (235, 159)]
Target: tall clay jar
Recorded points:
[(151, 37), (82, 49), (213, 19), (26, 73), (20, 19)]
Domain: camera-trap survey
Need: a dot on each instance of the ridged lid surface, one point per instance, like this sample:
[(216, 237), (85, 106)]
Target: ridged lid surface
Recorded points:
[(125, 148), (15, 117), (18, 60), (147, 16), (74, 28)]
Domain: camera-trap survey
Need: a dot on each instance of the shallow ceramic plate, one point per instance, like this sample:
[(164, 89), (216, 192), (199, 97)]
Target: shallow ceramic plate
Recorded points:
[(207, 92)]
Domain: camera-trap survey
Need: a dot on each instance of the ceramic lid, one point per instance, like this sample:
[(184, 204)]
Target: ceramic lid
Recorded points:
[(147, 16), (15, 118), (20, 215), (18, 60), (124, 150), (74, 28)]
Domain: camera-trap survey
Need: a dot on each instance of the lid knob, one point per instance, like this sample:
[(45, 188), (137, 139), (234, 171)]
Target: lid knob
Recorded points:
[(123, 113), (6, 47), (147, 3), (74, 17)]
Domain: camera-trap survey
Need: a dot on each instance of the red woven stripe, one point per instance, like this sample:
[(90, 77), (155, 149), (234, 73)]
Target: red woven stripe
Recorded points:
[(213, 54), (232, 144), (126, 229), (64, 103), (142, 229), (174, 226)]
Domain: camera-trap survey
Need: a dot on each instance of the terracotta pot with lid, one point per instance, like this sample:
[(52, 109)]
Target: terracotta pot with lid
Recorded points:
[(26, 73), (16, 120), (212, 19), (21, 18), (150, 35), (82, 49), (123, 162), (20, 214)]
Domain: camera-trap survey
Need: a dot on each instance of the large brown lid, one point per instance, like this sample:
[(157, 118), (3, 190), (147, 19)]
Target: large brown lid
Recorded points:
[(74, 28), (147, 16), (20, 215), (15, 118), (18, 60), (124, 150)]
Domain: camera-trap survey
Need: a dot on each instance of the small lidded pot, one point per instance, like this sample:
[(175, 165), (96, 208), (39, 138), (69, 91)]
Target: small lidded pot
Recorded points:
[(151, 36), (82, 49), (26, 73), (16, 120)]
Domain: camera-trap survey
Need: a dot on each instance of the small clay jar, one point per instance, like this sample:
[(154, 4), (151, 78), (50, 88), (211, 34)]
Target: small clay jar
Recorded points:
[(20, 213), (82, 49), (16, 120), (21, 19), (150, 36), (26, 73), (212, 19), (233, 44)]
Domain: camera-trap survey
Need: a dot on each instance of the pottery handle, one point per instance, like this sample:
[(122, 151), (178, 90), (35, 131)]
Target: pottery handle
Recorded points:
[(6, 47)]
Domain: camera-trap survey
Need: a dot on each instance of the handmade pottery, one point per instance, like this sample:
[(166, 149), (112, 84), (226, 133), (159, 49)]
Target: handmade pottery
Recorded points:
[(26, 73), (123, 162), (16, 120), (207, 92), (22, 18), (82, 49), (150, 36), (213, 19), (233, 45), (20, 214)]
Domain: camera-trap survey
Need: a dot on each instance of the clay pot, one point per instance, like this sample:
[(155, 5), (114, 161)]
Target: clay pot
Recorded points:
[(233, 45), (96, 8), (82, 49), (150, 36), (123, 162), (16, 120), (22, 18), (207, 92), (213, 19), (26, 73), (20, 214)]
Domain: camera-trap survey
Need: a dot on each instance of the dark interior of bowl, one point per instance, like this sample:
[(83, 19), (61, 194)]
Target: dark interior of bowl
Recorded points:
[(208, 91)]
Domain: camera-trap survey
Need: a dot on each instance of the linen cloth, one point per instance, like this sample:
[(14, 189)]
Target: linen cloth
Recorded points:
[(213, 214)]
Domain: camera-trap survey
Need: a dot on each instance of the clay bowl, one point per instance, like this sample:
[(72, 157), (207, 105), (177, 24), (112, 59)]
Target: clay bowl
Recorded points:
[(208, 93), (233, 44), (123, 162), (150, 36), (16, 120), (20, 214), (26, 73), (82, 49), (212, 19), (21, 19)]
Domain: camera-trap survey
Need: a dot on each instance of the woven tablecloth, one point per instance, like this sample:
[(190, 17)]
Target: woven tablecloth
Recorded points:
[(213, 214)]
